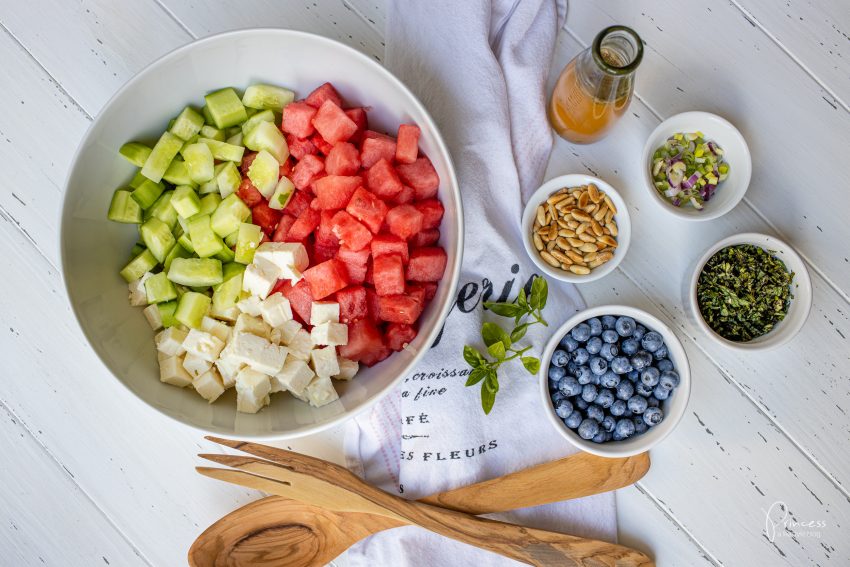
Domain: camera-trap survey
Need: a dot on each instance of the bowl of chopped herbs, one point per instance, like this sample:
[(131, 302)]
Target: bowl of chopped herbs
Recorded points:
[(751, 292)]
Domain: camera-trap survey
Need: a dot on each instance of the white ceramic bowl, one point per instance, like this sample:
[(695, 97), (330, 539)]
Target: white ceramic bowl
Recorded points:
[(94, 249), (673, 407), (801, 288), (624, 226), (737, 154)]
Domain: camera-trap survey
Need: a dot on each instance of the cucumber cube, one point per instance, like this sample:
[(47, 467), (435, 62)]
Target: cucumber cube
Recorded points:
[(210, 186), (137, 267), (264, 116), (225, 108), (166, 313), (209, 203), (205, 112), (195, 271), (282, 194), (226, 255), (186, 242), (199, 158), (187, 124), (264, 173), (135, 152), (222, 150), (267, 136), (123, 208), (191, 309), (236, 139), (136, 250), (212, 133), (230, 239), (178, 173), (159, 288), (206, 242), (185, 201), (267, 97), (247, 240), (229, 214), (228, 179), (147, 193), (161, 156), (177, 251), (227, 293), (137, 180), (163, 210), (229, 271), (189, 142), (157, 237)]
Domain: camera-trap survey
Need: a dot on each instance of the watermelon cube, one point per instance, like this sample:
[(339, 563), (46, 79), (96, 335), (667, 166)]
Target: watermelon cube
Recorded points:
[(399, 309), (266, 217), (300, 299), (388, 272), (323, 146), (427, 237), (304, 225), (325, 92), (426, 264), (358, 116), (300, 200), (424, 290), (420, 175), (323, 253), (343, 159), (352, 303), (249, 194), (404, 221), (406, 195), (299, 147), (365, 343), (305, 170), (407, 146), (399, 335), (350, 231), (298, 119), (373, 305), (335, 191), (356, 261), (383, 180), (247, 160), (375, 148), (389, 244), (368, 209), (286, 222), (326, 278), (432, 213), (417, 292), (333, 124), (324, 233)]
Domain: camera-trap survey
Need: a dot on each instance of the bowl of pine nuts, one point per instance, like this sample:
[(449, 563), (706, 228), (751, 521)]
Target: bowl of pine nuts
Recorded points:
[(576, 228)]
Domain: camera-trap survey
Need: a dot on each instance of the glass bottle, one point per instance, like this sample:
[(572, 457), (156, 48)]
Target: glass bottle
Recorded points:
[(595, 88)]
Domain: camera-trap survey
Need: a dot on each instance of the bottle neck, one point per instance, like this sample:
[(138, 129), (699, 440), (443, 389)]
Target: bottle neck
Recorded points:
[(606, 69)]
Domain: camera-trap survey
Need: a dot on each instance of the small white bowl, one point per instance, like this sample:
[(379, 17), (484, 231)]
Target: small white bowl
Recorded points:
[(673, 407), (801, 288), (624, 226), (719, 130)]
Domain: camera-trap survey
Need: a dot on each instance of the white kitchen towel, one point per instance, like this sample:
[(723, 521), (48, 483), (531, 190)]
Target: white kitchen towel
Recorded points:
[(480, 67)]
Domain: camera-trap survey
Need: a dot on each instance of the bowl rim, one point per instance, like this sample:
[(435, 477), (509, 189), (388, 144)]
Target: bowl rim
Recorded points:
[(801, 277), (452, 186), (567, 180), (710, 213), (642, 442)]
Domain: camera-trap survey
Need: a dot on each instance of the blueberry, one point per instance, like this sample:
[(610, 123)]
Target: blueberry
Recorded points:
[(625, 390), (616, 436), (609, 380), (625, 326), (652, 341), (600, 437), (610, 336), (573, 420), (625, 428), (584, 375), (588, 428), (661, 352), (621, 365), (653, 416), (629, 346), (581, 332), (598, 365), (560, 358), (618, 408), (595, 412), (669, 379), (581, 356), (633, 375), (568, 343), (640, 331), (556, 373), (569, 386), (580, 404), (605, 398), (609, 351), (608, 424), (661, 393), (641, 359), (608, 321), (571, 368), (564, 408), (594, 345), (652, 402), (557, 397), (637, 404), (588, 393), (595, 326), (640, 426), (664, 364), (643, 389), (649, 376)]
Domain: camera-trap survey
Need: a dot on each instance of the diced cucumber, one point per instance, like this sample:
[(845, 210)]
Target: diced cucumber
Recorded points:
[(123, 208), (223, 151), (163, 210), (209, 203), (137, 267), (177, 251), (231, 270), (157, 237), (227, 293), (212, 134), (267, 97), (178, 173), (263, 116), (185, 201), (161, 156), (236, 139), (189, 142), (226, 255), (191, 309), (250, 111), (230, 239), (187, 124), (208, 118), (186, 242), (136, 250), (267, 136), (147, 193), (247, 240), (199, 158), (159, 288), (282, 193), (206, 242), (228, 179), (166, 312), (195, 271), (210, 186), (264, 172), (229, 214), (137, 180), (135, 152), (225, 108)]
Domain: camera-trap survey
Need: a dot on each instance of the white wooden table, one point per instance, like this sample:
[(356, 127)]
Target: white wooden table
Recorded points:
[(90, 476)]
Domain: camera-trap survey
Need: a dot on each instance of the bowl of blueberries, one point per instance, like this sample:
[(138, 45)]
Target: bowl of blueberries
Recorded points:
[(615, 380)]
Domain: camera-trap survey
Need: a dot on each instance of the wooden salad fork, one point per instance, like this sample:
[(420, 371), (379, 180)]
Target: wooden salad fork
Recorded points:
[(331, 487)]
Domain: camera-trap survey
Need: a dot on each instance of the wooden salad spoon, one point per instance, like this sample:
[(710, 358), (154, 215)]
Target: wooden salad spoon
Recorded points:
[(276, 531)]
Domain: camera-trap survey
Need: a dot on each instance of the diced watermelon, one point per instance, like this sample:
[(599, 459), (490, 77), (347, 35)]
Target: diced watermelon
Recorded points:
[(426, 264), (266, 217), (286, 222), (388, 271), (300, 147), (399, 309), (343, 159), (407, 146), (383, 180), (333, 124), (432, 213), (324, 233), (300, 200), (323, 146), (356, 261), (404, 221), (389, 244), (249, 194), (322, 253), (352, 303), (247, 160), (297, 119), (326, 278), (374, 148), (358, 116), (417, 292), (427, 237), (373, 305), (300, 299), (325, 92), (404, 196), (304, 171), (286, 168), (350, 231), (423, 290), (368, 209), (335, 191), (365, 343), (312, 187), (420, 175), (398, 335), (304, 225)]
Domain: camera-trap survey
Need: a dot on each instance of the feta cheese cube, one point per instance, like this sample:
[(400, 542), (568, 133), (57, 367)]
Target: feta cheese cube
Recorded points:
[(256, 281), (257, 352), (252, 305), (285, 260), (203, 345), (288, 331), (347, 369), (252, 391), (153, 316), (330, 334), (138, 296), (324, 312), (170, 341), (301, 345), (215, 328), (274, 336), (276, 310), (248, 324), (321, 392), (195, 365), (230, 314), (209, 385), (228, 368), (324, 361), (171, 371), (294, 377)]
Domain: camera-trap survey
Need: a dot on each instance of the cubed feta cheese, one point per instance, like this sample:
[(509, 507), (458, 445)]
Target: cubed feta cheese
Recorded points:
[(276, 310), (248, 324), (153, 316), (324, 361), (209, 385), (257, 352), (171, 371), (285, 260), (252, 305), (230, 314), (321, 391), (324, 312), (301, 345), (252, 391), (215, 328), (257, 281), (138, 296), (347, 369), (228, 368), (195, 365), (288, 331), (294, 377), (170, 341), (330, 334), (203, 345), (274, 337)]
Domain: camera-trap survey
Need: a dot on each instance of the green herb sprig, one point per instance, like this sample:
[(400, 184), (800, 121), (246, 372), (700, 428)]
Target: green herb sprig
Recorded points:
[(526, 311)]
